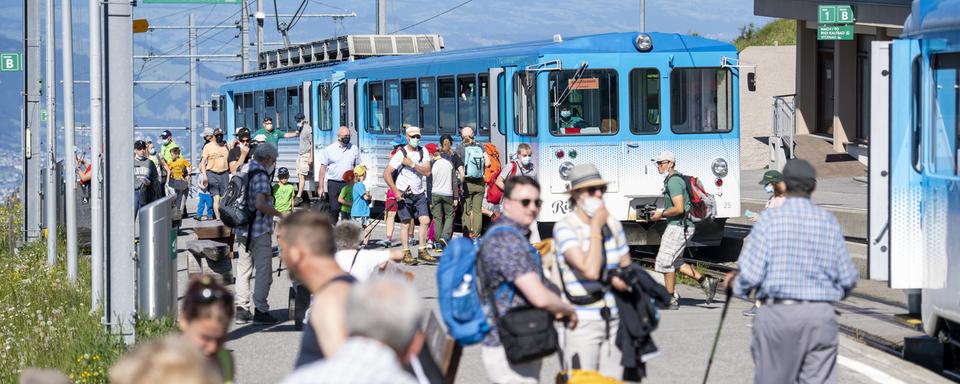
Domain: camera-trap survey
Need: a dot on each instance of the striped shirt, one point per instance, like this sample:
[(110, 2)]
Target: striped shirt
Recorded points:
[(798, 252), (572, 232)]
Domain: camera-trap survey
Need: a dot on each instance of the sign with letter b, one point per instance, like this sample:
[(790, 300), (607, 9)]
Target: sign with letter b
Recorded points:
[(10, 62)]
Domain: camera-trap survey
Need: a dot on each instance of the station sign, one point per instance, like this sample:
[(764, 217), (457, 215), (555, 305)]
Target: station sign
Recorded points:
[(835, 22), (11, 62), (835, 32)]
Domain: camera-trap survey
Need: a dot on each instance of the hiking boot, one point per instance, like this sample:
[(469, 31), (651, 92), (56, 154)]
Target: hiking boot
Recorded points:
[(424, 257), (408, 258), (242, 316), (709, 285), (751, 312), (263, 318)]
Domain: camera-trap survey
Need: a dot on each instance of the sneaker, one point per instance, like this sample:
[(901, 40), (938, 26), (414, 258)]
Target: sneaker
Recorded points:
[(413, 242), (242, 316), (442, 243), (297, 201), (408, 258), (709, 286), (674, 304), (751, 312), (386, 243), (263, 318), (424, 257)]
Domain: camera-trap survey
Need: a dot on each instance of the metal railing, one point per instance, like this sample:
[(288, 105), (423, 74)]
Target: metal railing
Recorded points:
[(157, 260), (784, 130)]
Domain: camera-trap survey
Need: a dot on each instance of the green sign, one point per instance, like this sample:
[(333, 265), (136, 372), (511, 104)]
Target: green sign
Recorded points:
[(173, 243), (835, 14), (10, 62), (191, 1), (835, 32), (43, 114)]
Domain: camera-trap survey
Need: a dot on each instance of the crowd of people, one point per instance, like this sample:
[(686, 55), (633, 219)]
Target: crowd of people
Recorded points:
[(363, 321)]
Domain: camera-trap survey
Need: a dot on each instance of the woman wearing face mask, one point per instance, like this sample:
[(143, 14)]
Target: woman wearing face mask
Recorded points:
[(590, 245)]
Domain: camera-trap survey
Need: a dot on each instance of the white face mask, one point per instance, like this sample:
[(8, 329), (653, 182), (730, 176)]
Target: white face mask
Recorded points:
[(525, 160), (591, 205), (768, 188), (564, 114)]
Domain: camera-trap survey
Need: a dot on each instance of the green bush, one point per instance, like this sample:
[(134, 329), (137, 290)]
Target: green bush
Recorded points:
[(777, 32), (46, 322)]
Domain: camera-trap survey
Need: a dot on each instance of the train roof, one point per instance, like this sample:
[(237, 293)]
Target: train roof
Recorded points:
[(932, 18)]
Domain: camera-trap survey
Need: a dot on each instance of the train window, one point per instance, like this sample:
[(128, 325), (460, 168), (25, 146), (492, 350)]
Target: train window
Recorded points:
[(917, 114), (410, 108), (258, 113), (484, 99), (223, 113), (289, 123), (343, 104), (237, 111), (501, 103), (281, 112), (375, 105), (945, 139), (587, 104), (392, 123), (428, 105), (525, 103), (644, 101), (467, 101), (269, 105), (446, 105), (701, 100), (325, 109), (249, 120)]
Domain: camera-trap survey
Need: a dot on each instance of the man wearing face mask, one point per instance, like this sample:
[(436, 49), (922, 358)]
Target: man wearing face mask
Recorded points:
[(304, 154), (273, 136), (335, 160), (678, 232), (568, 119), (413, 164), (474, 162), (214, 166), (521, 164)]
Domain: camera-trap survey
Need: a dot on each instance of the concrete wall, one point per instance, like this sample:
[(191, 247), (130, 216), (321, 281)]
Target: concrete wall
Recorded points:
[(776, 75)]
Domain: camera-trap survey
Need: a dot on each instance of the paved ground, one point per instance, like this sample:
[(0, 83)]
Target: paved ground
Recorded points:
[(266, 354)]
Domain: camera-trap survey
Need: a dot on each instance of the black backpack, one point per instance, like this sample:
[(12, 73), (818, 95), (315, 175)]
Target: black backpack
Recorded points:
[(396, 172), (234, 210)]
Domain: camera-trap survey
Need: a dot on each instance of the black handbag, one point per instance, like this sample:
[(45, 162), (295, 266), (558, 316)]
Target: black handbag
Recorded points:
[(595, 289), (526, 332)]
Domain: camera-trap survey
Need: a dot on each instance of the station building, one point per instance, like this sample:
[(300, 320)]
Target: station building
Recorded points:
[(833, 77)]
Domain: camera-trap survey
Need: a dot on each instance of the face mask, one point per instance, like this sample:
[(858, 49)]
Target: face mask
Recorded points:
[(268, 127), (525, 160), (768, 189), (564, 114), (220, 139), (153, 152), (345, 140), (415, 143), (591, 205)]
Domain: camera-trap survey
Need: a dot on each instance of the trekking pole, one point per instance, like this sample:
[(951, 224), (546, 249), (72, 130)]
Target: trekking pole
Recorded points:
[(716, 339)]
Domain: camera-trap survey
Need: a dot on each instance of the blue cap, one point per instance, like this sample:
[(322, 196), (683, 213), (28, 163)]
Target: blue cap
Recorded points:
[(399, 140)]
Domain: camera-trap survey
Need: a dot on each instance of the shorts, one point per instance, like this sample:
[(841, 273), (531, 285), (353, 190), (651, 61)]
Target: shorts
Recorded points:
[(412, 207), (362, 220), (304, 161), (217, 183), (672, 244), (390, 205)]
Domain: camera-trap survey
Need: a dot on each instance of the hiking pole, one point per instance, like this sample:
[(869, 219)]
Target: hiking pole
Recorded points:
[(716, 339)]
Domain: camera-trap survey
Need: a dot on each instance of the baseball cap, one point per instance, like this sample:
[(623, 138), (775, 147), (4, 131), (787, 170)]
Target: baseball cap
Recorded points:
[(283, 172), (267, 119), (207, 132), (139, 144), (217, 131), (243, 133), (165, 134), (359, 170), (799, 174), (261, 138), (299, 116), (431, 148), (666, 156), (771, 176), (413, 131)]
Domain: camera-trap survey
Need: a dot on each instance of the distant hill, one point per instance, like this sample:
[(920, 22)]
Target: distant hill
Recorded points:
[(777, 32)]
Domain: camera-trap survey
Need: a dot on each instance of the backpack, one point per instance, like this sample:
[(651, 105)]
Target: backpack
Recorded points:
[(396, 172), (458, 293), (491, 172), (234, 210), (703, 206), (473, 162)]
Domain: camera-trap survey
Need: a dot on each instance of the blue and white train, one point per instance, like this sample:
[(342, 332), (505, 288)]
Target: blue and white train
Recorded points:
[(915, 167), (637, 94)]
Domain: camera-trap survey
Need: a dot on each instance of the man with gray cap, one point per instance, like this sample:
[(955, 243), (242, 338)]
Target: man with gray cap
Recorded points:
[(796, 260)]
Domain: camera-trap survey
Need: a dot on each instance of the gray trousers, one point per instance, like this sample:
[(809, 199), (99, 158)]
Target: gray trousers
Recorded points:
[(795, 343), (259, 259)]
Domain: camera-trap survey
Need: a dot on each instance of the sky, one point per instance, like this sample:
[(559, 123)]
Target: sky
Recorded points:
[(477, 23)]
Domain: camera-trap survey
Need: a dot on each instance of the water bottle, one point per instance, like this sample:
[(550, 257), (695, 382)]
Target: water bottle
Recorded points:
[(464, 288)]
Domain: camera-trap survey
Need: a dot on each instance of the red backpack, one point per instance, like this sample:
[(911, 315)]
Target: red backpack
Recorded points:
[(703, 206)]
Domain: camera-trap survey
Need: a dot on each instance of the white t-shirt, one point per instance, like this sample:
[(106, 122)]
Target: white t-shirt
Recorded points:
[(368, 262), (442, 177), (408, 177)]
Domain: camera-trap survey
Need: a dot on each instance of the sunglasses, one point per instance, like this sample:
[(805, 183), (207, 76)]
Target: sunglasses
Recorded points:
[(209, 293), (593, 190), (662, 162), (527, 202), (415, 136)]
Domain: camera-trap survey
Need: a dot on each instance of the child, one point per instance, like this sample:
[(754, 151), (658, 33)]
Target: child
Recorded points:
[(283, 192), (360, 211), (346, 196), (179, 179), (206, 200)]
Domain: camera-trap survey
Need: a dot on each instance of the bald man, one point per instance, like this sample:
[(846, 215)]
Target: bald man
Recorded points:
[(335, 160), (473, 159)]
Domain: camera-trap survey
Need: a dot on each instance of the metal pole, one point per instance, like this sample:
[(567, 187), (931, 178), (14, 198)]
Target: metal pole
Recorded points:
[(205, 117), (96, 154), (193, 93), (32, 229), (50, 192), (381, 17), (643, 15), (70, 160), (259, 16), (119, 215), (244, 37)]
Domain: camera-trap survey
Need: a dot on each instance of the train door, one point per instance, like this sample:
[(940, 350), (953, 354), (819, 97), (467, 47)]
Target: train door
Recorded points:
[(496, 92), (878, 254)]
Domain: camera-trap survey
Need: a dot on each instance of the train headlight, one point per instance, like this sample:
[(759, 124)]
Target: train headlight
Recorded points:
[(643, 42), (565, 169), (719, 168)]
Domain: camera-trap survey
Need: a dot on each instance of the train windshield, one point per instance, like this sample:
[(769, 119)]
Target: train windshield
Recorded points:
[(584, 104), (945, 142), (701, 100)]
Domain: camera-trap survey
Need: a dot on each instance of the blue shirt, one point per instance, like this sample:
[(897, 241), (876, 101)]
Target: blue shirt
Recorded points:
[(339, 160), (796, 252), (361, 207)]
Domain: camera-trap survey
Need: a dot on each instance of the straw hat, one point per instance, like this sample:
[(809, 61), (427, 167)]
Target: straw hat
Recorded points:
[(584, 176)]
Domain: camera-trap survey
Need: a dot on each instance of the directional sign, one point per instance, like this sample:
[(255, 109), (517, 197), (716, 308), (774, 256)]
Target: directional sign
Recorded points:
[(191, 1), (835, 32), (10, 62), (43, 114), (140, 25), (835, 14)]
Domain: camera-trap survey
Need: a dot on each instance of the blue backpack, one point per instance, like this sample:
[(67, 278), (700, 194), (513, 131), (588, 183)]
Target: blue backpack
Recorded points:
[(458, 294), (473, 161)]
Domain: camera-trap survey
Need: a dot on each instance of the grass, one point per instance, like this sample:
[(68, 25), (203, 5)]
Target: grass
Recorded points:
[(777, 32), (46, 322)]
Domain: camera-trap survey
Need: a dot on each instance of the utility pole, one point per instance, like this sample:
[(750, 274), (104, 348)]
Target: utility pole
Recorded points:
[(643, 15), (259, 16), (244, 37), (31, 122), (96, 155), (381, 17), (192, 42), (69, 121), (119, 215), (50, 192)]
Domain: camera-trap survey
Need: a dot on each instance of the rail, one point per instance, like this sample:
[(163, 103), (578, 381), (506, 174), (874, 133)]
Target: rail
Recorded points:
[(156, 260), (784, 129)]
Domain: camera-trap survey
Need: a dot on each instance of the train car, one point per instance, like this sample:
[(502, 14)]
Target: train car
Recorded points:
[(915, 167), (634, 95)]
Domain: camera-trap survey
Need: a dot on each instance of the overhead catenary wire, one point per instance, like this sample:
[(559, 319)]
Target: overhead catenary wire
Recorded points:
[(451, 9)]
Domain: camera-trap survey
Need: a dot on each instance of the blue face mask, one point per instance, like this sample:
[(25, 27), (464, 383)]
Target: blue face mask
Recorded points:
[(415, 143), (768, 188), (564, 114)]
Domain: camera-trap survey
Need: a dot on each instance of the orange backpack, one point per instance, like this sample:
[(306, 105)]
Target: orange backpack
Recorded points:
[(492, 170)]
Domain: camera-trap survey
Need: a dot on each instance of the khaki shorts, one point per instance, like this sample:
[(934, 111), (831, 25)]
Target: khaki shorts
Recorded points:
[(304, 161), (672, 244)]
